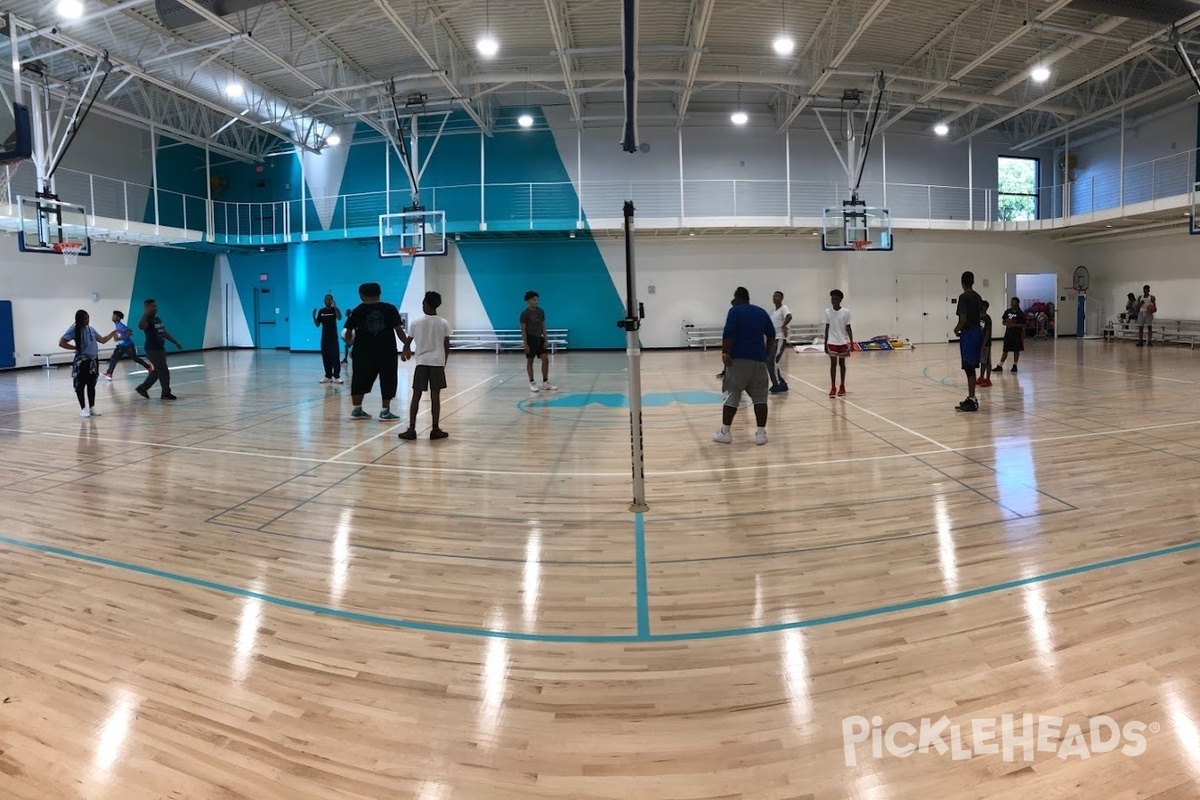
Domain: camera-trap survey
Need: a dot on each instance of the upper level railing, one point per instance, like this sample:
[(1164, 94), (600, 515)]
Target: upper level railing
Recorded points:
[(511, 207)]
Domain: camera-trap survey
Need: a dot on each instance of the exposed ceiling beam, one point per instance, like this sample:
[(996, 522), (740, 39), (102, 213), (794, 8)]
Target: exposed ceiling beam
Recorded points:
[(863, 24), (697, 32), (415, 41), (1190, 22), (561, 34)]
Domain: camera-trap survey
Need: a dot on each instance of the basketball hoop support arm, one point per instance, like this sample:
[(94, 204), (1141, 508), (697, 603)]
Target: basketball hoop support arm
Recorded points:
[(632, 323)]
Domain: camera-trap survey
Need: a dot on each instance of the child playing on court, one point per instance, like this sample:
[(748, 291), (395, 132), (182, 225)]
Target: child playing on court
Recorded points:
[(985, 358), (838, 337), (430, 345), (1013, 321)]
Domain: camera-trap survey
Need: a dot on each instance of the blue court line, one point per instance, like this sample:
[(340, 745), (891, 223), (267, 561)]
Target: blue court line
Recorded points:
[(639, 569), (720, 633)]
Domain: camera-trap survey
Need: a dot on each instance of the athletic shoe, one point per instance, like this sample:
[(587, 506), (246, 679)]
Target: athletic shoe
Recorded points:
[(783, 387), (325, 380), (833, 391), (984, 382), (409, 435), (107, 376), (723, 437), (970, 404), (1014, 368), (533, 387), (387, 415), (1140, 343), (1150, 343), (438, 433), (338, 381), (760, 437), (777, 388), (83, 413), (93, 412), (169, 397), (142, 392), (721, 375), (841, 391), (547, 386), (358, 413)]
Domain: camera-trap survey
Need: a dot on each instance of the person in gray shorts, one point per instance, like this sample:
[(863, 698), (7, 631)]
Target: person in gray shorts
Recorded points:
[(748, 337), (1147, 304)]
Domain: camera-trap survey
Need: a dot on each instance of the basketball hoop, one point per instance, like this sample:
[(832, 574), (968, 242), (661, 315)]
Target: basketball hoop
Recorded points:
[(408, 255), (861, 244), (69, 250)]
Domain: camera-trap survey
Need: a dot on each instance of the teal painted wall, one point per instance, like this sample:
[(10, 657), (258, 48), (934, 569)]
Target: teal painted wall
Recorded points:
[(316, 268), (247, 269), (569, 275), (181, 282)]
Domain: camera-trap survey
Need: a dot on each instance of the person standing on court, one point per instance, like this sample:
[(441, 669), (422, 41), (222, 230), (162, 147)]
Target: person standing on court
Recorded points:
[(371, 329), (781, 317), (970, 337), (1013, 322), (748, 338), (430, 346), (1147, 306), (157, 337), (533, 340), (82, 339), (125, 347), (326, 318)]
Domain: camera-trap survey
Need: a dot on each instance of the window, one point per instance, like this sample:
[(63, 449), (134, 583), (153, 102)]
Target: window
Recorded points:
[(1018, 195)]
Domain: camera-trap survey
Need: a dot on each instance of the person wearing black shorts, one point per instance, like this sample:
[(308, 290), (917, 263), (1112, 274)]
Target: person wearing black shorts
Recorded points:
[(372, 328), (326, 318), (430, 346), (533, 340), (970, 337), (1013, 321)]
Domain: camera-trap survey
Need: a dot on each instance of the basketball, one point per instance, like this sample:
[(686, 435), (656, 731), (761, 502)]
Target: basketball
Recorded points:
[(1151, 308)]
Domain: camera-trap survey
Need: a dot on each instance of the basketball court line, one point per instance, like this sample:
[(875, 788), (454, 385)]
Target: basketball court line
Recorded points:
[(639, 637), (877, 416), (1127, 374)]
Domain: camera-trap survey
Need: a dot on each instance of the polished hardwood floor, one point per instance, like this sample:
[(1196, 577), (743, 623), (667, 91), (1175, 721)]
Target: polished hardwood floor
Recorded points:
[(245, 594)]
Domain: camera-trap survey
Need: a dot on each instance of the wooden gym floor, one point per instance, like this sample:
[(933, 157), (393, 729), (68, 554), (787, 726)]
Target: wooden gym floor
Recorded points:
[(247, 595)]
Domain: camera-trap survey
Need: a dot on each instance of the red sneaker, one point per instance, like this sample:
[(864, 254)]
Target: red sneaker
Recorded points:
[(833, 391), (841, 391), (984, 382)]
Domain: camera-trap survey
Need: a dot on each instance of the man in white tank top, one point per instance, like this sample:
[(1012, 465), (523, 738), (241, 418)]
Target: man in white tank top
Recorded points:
[(1147, 305)]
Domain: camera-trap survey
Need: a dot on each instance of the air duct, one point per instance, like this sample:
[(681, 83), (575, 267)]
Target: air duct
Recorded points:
[(177, 15), (1162, 12)]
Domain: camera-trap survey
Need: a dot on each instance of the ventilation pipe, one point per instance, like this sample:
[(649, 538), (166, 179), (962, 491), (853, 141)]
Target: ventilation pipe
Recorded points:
[(175, 14)]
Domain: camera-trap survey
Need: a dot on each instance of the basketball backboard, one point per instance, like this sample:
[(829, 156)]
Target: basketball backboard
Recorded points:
[(412, 233), (47, 225), (856, 227)]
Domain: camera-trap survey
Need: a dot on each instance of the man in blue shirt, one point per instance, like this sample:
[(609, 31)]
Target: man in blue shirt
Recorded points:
[(749, 335)]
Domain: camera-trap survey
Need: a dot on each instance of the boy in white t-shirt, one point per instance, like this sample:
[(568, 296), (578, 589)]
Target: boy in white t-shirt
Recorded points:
[(838, 337), (429, 344)]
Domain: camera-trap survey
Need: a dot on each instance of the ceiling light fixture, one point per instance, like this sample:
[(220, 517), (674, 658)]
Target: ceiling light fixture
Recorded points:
[(235, 89), (334, 140), (739, 117), (783, 43), (941, 129), (70, 9), (487, 44), (1040, 73), (525, 121)]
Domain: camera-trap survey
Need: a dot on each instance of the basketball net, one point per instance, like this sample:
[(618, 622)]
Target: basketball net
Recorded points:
[(408, 255), (70, 251), (861, 244)]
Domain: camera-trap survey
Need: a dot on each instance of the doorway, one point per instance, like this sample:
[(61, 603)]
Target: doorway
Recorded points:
[(1038, 292), (923, 308), (264, 317)]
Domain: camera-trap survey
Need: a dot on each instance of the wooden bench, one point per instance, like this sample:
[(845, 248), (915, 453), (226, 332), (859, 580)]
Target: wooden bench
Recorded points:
[(705, 336), (556, 339)]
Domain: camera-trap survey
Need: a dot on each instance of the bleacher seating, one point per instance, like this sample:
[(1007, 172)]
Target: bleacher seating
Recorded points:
[(497, 340), (1176, 331), (706, 336)]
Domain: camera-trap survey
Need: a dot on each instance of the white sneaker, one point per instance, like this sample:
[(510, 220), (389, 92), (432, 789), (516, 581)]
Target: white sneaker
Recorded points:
[(324, 380), (338, 380), (533, 387), (760, 437), (108, 377), (94, 413), (84, 413), (547, 386), (723, 437)]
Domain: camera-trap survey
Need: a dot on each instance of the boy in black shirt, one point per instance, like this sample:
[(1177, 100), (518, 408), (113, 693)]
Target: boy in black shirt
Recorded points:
[(156, 351), (326, 318), (970, 337), (985, 358), (1014, 332), (372, 328)]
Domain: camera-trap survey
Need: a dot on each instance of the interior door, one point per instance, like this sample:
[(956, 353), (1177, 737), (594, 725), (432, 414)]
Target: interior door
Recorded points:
[(922, 308), (264, 313)]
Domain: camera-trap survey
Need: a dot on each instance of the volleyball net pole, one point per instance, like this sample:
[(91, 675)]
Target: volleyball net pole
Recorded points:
[(632, 324)]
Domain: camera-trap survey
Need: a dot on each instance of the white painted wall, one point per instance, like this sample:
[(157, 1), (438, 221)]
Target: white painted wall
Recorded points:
[(1169, 263), (46, 293)]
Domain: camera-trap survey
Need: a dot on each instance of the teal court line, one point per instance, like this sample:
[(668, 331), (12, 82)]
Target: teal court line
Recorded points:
[(721, 633)]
